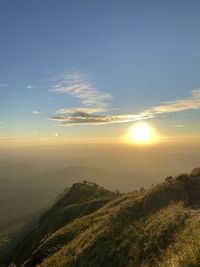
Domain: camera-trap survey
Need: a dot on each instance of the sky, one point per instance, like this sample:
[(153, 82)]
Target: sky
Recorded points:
[(88, 70)]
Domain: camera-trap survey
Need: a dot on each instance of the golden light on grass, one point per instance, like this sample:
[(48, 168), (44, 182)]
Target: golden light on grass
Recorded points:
[(141, 134)]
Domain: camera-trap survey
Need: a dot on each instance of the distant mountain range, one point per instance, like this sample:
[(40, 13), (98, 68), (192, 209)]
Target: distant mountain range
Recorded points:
[(90, 226), (24, 191)]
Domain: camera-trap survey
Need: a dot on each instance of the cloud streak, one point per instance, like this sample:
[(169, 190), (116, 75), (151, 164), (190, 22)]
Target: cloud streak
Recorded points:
[(30, 87), (35, 112), (192, 102), (77, 85), (89, 119), (178, 126), (79, 110), (84, 116)]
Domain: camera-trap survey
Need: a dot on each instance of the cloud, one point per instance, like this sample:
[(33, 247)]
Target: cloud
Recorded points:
[(79, 110), (80, 117), (178, 125), (30, 87), (88, 117), (192, 102), (1, 122), (35, 112), (77, 85)]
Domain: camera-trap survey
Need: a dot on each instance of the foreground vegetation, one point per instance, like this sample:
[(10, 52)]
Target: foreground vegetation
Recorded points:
[(92, 227)]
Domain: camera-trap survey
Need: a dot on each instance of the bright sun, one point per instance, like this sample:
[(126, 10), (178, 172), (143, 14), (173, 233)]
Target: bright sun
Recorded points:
[(142, 133)]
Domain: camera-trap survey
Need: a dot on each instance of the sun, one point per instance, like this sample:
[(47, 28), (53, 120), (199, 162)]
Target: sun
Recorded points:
[(142, 133)]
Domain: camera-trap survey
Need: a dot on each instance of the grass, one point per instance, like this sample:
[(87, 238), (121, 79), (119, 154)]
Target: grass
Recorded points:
[(185, 252), (90, 226)]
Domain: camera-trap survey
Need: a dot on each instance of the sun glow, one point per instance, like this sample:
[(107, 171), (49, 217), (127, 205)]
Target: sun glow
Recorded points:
[(141, 133)]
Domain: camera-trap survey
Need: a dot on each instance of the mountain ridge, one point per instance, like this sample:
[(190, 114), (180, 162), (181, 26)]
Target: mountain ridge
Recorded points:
[(91, 226)]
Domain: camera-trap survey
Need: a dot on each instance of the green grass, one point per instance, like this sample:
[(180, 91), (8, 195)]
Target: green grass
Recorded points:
[(185, 252), (93, 227)]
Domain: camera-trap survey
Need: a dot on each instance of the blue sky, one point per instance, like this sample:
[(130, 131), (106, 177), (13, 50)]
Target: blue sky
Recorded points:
[(131, 56)]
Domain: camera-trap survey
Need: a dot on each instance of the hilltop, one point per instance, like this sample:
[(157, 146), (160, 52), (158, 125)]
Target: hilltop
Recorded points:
[(91, 226)]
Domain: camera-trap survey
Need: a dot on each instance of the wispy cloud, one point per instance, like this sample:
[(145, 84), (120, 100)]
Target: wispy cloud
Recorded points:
[(1, 122), (78, 85), (35, 112), (191, 102), (29, 87), (84, 116), (79, 110), (178, 125), (88, 119)]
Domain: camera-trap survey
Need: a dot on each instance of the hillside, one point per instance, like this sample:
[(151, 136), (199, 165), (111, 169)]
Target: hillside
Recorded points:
[(93, 227), (24, 194)]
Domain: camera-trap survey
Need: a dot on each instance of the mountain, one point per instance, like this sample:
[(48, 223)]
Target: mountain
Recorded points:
[(27, 188), (82, 199), (90, 226), (24, 191)]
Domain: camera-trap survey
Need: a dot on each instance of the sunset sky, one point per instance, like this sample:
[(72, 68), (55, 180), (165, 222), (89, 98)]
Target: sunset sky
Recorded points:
[(89, 70)]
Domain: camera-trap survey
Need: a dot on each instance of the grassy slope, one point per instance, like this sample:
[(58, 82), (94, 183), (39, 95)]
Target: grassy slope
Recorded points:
[(149, 228), (81, 200)]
